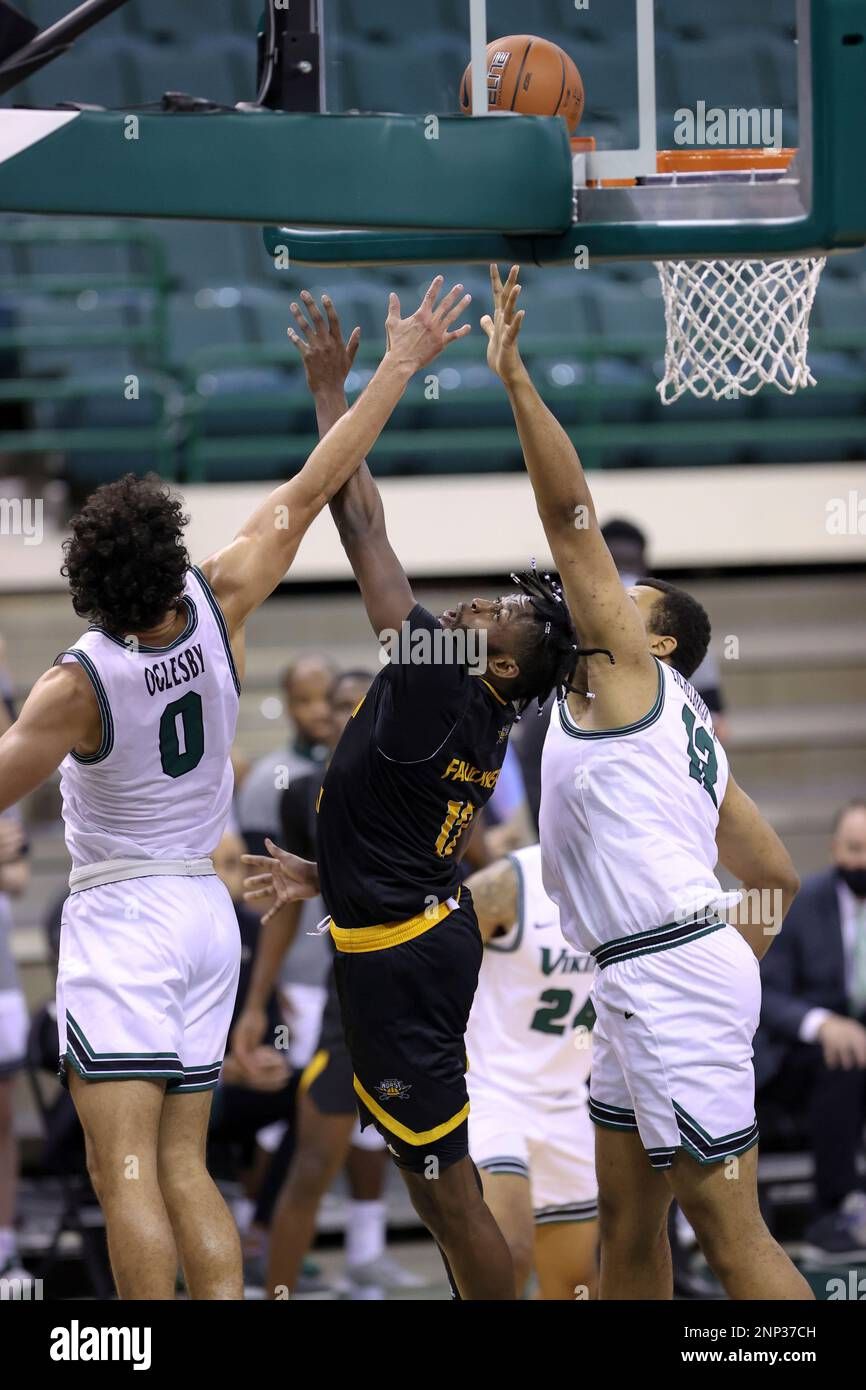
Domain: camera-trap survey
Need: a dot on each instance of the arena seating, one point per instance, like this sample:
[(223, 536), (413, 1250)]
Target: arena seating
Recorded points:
[(200, 310)]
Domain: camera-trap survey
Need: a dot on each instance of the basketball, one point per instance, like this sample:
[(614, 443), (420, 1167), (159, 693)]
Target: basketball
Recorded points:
[(532, 76)]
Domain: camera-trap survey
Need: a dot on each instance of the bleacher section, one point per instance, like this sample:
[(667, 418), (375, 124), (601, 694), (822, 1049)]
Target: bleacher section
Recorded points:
[(196, 313)]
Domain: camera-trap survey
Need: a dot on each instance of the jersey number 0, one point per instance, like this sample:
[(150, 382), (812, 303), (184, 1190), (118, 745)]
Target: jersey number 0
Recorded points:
[(181, 735)]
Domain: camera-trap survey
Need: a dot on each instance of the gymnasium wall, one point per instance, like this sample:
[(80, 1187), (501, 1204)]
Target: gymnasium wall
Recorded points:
[(710, 519)]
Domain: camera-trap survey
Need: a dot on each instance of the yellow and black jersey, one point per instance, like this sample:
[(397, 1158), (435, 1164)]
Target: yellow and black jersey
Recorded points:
[(418, 760)]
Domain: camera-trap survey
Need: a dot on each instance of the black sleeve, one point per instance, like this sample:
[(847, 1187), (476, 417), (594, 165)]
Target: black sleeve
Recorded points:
[(424, 691), (295, 816)]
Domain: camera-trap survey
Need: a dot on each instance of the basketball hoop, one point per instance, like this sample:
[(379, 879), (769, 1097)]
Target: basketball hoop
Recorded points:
[(734, 327)]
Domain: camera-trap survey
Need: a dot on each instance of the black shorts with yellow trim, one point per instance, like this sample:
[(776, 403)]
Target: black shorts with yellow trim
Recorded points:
[(327, 1077), (405, 1008)]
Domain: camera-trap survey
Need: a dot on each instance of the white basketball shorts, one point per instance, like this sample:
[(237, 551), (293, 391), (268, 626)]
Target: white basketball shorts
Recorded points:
[(147, 979), (14, 1022), (672, 1048), (14, 1025), (553, 1149)]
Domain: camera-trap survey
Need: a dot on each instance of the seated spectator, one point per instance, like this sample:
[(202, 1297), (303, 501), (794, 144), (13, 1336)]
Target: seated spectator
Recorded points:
[(810, 1049), (246, 1101), (306, 688), (14, 874), (13, 1038)]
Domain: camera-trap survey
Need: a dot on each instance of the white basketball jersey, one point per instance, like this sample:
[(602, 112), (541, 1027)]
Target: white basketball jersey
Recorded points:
[(628, 817), (160, 784), (528, 1029)]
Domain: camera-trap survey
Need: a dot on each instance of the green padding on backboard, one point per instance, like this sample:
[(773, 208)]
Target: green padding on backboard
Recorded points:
[(443, 172), (382, 248)]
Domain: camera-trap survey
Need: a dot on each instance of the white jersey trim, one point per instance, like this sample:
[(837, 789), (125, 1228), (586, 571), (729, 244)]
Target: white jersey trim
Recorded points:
[(118, 870), (102, 701), (638, 726)]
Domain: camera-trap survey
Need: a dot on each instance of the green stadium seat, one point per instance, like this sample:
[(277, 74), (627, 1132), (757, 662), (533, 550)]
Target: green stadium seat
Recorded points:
[(734, 16), (840, 390), (251, 401), (632, 310), (728, 73), (562, 302), (179, 21), (203, 254), (221, 69), (417, 76), (73, 257), (839, 306), (96, 328), (609, 73), (470, 396), (389, 21), (95, 71), (546, 18), (246, 15), (47, 12), (210, 318)]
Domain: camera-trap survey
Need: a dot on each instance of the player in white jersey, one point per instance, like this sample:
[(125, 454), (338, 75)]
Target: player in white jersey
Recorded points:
[(140, 715), (637, 807), (529, 1051)]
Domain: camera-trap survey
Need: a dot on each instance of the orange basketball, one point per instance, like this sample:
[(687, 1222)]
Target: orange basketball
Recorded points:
[(529, 75)]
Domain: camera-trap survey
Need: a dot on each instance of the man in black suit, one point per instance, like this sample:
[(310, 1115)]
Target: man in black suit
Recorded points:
[(810, 1049)]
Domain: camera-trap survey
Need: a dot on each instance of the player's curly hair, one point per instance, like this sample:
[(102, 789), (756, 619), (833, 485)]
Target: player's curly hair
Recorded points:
[(548, 659), (126, 560)]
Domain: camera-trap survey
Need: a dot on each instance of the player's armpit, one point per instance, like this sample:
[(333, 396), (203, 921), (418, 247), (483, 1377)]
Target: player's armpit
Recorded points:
[(59, 714), (750, 849), (495, 894)]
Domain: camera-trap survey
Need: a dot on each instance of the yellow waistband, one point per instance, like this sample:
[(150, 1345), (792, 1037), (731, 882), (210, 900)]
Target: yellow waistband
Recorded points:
[(393, 934)]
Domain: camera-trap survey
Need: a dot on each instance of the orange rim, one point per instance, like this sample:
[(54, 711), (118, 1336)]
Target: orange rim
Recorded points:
[(718, 161), (697, 162)]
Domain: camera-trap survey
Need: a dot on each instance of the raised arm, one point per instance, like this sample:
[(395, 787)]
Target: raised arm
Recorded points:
[(59, 714), (603, 613), (750, 849), (357, 507), (248, 570)]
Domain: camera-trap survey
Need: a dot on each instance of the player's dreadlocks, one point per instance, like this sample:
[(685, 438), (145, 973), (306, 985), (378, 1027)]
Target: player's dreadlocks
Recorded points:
[(548, 664)]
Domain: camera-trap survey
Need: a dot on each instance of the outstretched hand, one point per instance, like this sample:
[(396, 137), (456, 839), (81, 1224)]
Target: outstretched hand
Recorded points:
[(281, 878), (503, 353), (326, 357), (415, 341)]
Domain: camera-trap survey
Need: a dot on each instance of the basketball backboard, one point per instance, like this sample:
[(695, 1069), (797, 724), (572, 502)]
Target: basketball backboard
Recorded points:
[(429, 184)]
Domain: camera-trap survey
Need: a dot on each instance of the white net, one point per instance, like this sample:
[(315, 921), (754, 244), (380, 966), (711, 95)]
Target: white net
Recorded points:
[(736, 326)]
